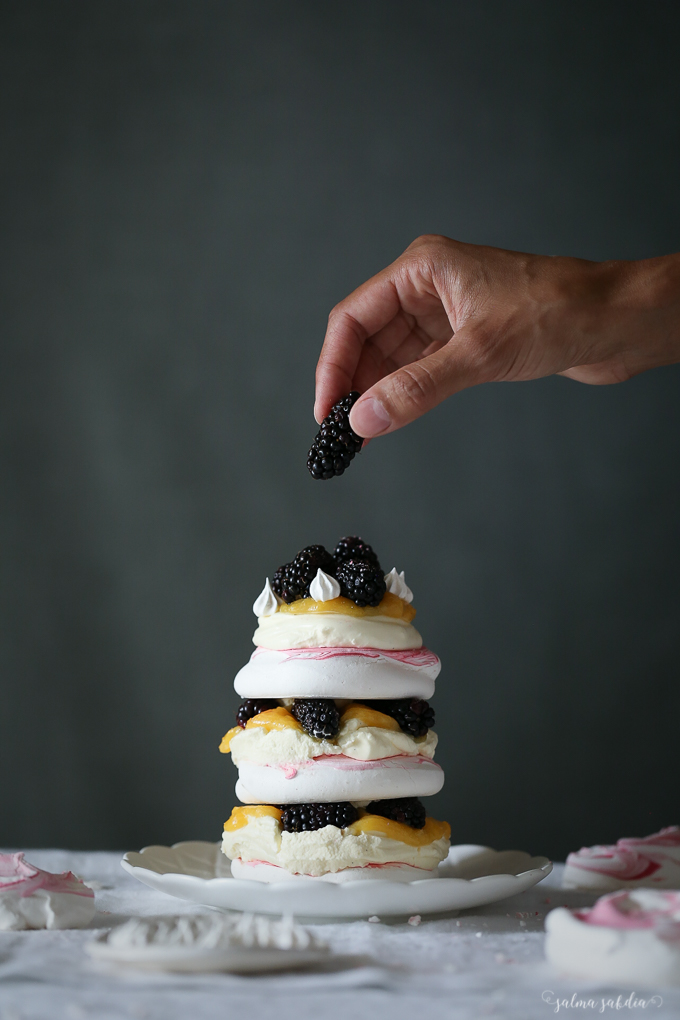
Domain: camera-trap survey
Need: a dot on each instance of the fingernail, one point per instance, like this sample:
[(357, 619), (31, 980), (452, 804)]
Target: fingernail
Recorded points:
[(369, 418)]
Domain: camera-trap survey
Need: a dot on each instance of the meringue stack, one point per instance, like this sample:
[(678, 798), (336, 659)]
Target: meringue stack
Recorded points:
[(322, 656)]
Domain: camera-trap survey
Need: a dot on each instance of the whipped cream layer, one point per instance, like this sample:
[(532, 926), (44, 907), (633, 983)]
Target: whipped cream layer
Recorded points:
[(326, 850), (338, 672), (338, 778), (653, 861), (630, 937), (354, 740), (257, 871), (320, 630)]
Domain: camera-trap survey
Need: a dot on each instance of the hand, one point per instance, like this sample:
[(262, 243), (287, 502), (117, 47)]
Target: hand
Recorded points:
[(448, 315)]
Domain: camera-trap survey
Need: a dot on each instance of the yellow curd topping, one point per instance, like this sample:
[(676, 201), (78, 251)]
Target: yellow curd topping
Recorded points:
[(391, 605), (369, 717), (380, 826), (273, 719), (225, 745), (240, 816), (370, 824)]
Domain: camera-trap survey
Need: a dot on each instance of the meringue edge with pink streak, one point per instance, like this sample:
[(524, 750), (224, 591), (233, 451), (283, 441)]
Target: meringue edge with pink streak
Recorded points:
[(620, 910), (650, 861), (339, 671), (416, 658), (26, 878)]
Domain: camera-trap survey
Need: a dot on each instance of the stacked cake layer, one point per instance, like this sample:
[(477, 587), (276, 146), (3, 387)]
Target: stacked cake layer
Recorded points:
[(334, 741)]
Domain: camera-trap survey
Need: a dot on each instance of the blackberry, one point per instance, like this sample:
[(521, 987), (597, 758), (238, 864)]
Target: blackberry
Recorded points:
[(414, 716), (408, 810), (354, 548), (361, 582), (253, 706), (319, 716), (336, 443), (306, 817), (292, 580)]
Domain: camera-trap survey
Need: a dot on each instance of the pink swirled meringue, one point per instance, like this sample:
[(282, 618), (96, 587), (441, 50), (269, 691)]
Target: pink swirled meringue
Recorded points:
[(630, 936), (635, 910), (338, 672), (32, 898), (653, 861)]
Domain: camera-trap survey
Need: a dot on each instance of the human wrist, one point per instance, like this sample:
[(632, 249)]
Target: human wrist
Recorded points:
[(644, 303)]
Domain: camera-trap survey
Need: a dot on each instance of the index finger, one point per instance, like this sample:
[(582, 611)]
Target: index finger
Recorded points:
[(365, 311)]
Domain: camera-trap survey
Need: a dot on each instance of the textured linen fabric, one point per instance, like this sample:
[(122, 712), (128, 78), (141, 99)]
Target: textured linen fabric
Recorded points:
[(484, 962)]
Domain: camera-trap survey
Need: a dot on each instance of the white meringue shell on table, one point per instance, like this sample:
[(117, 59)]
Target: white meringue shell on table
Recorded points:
[(241, 943), (31, 898), (628, 937), (338, 672), (338, 778)]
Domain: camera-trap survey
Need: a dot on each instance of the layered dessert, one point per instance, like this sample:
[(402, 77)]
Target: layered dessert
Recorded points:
[(334, 740)]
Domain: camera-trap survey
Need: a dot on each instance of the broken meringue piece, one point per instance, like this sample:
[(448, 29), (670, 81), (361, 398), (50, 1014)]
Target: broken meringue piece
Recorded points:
[(631, 937), (208, 942), (32, 898), (653, 861)]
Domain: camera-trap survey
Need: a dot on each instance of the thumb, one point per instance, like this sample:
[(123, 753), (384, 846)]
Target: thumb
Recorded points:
[(409, 392)]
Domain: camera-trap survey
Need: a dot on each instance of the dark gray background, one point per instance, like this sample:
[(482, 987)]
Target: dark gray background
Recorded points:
[(187, 189)]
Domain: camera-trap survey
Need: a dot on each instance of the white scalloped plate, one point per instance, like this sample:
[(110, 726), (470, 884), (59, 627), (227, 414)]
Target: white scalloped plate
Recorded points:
[(470, 877)]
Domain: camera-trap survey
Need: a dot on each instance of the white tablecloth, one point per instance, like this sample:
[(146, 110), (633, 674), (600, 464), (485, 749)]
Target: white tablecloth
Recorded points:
[(486, 962)]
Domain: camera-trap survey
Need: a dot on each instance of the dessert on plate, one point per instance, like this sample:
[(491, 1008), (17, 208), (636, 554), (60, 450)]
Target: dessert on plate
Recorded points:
[(336, 842), (334, 741)]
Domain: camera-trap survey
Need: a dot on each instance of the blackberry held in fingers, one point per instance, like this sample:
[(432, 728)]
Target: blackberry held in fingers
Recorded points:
[(336, 443), (361, 582), (354, 548), (414, 716), (307, 817), (318, 716), (407, 810), (253, 706)]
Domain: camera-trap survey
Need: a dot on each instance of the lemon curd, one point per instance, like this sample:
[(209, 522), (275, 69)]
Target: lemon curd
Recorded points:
[(240, 816), (373, 825), (369, 717), (391, 605), (376, 825), (273, 719)]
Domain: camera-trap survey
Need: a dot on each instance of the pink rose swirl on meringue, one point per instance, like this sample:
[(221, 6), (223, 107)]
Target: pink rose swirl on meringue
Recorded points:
[(631, 859), (26, 879), (416, 657), (619, 910)]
